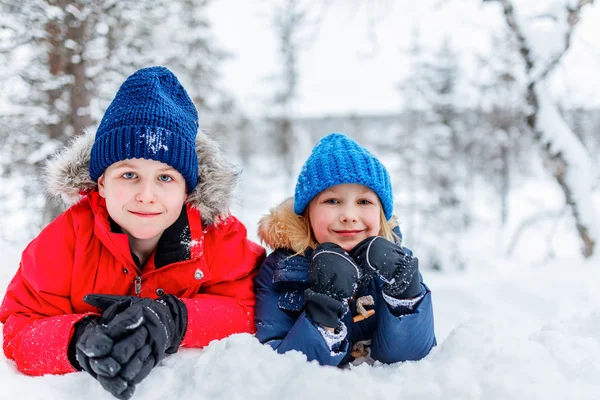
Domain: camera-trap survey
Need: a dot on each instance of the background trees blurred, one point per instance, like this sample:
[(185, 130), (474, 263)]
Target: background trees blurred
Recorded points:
[(471, 130)]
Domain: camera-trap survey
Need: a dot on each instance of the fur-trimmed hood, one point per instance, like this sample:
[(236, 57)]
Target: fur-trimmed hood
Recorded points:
[(68, 177), (282, 228)]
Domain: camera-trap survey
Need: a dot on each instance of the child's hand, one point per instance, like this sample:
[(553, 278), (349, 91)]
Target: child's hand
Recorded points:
[(333, 277), (397, 270), (165, 319), (94, 354), (130, 338)]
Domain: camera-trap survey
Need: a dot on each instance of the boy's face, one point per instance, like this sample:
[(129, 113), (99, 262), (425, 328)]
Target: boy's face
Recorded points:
[(345, 215), (143, 196)]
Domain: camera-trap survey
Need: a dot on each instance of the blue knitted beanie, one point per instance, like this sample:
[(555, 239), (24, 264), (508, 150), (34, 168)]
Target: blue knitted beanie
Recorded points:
[(151, 117), (337, 159)]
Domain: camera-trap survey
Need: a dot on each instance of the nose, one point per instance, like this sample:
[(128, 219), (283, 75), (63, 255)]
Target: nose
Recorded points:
[(145, 193), (348, 215)]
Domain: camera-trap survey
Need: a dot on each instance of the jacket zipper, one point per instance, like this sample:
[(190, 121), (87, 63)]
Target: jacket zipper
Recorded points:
[(138, 284)]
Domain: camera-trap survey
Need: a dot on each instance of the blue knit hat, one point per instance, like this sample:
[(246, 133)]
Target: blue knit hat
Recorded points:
[(151, 117), (337, 159)]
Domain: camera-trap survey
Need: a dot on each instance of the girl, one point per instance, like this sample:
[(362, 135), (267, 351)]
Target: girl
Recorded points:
[(339, 286)]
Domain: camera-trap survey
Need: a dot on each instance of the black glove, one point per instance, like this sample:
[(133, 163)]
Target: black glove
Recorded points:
[(164, 318), (332, 280), (98, 354), (132, 336), (398, 271)]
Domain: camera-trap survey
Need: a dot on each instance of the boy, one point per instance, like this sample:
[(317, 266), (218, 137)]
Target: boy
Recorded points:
[(151, 246)]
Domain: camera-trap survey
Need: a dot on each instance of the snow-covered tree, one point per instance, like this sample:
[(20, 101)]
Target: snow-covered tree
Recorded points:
[(543, 31)]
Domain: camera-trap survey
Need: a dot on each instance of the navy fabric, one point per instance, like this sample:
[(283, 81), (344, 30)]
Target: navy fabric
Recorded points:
[(151, 117), (338, 159), (397, 334)]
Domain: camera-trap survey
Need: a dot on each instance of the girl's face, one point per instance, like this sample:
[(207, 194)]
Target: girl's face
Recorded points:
[(144, 197), (345, 215)]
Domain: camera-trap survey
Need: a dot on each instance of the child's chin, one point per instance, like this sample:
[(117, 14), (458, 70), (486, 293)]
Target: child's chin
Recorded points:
[(145, 235), (346, 246)]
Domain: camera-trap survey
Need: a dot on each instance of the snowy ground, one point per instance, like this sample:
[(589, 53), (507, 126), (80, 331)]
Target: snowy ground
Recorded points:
[(508, 330)]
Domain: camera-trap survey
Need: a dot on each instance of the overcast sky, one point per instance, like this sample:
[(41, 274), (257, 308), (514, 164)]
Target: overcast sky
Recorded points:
[(357, 51)]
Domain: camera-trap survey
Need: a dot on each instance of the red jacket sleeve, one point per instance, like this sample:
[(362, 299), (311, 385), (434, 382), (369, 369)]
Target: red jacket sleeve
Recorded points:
[(226, 304), (36, 311)]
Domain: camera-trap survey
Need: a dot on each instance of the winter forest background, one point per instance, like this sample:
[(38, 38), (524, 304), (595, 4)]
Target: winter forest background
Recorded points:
[(486, 113)]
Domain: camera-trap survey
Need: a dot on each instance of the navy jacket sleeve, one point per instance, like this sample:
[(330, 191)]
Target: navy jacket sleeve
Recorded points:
[(405, 337), (286, 330)]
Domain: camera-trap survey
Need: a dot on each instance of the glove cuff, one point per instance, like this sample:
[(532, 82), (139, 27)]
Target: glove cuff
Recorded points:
[(180, 317), (72, 349), (323, 309)]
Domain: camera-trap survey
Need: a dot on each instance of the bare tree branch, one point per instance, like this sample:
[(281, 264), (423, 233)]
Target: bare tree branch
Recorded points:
[(573, 18), (531, 221)]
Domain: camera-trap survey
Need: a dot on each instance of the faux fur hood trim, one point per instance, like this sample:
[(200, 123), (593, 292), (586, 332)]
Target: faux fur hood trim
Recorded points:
[(68, 178), (282, 228)]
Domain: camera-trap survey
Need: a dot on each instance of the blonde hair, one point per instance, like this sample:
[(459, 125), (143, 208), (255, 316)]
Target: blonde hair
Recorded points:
[(301, 244)]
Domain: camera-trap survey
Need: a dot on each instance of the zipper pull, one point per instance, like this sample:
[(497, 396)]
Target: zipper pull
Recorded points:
[(138, 284)]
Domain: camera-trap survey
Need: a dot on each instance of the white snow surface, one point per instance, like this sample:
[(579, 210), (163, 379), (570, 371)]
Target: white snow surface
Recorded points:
[(506, 330)]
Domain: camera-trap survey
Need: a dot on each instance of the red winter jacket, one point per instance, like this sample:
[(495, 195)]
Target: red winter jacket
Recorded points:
[(211, 268)]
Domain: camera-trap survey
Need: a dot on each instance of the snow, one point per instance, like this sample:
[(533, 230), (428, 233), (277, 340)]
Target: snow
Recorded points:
[(43, 152), (155, 140), (506, 330), (544, 25)]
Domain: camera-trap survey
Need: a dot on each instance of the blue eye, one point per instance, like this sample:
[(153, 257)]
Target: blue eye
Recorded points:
[(129, 175), (332, 201), (165, 178), (364, 202)]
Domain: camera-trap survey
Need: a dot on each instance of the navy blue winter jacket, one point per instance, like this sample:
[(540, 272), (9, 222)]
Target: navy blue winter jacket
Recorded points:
[(398, 334)]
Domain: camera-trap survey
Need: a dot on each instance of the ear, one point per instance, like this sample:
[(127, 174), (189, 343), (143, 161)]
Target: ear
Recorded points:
[(101, 185)]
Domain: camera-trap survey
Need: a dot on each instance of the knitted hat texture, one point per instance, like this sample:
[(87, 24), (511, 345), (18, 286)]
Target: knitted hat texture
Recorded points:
[(151, 117), (338, 159)]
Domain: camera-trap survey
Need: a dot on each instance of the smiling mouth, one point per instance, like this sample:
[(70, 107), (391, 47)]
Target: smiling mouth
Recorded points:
[(144, 214), (348, 233)]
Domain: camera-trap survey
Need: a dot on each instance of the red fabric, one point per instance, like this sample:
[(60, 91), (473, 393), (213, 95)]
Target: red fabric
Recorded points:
[(77, 254)]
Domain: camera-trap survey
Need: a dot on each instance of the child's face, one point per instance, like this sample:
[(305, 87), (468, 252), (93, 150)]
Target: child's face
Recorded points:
[(143, 196), (345, 215)]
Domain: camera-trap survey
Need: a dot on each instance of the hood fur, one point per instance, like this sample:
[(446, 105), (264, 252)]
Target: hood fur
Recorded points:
[(282, 228), (68, 177)]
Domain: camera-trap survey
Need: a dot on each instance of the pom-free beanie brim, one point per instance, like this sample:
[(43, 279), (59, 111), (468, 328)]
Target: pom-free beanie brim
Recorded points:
[(150, 143)]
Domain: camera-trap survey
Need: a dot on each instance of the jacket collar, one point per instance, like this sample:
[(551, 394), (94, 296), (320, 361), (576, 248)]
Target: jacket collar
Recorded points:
[(282, 227)]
